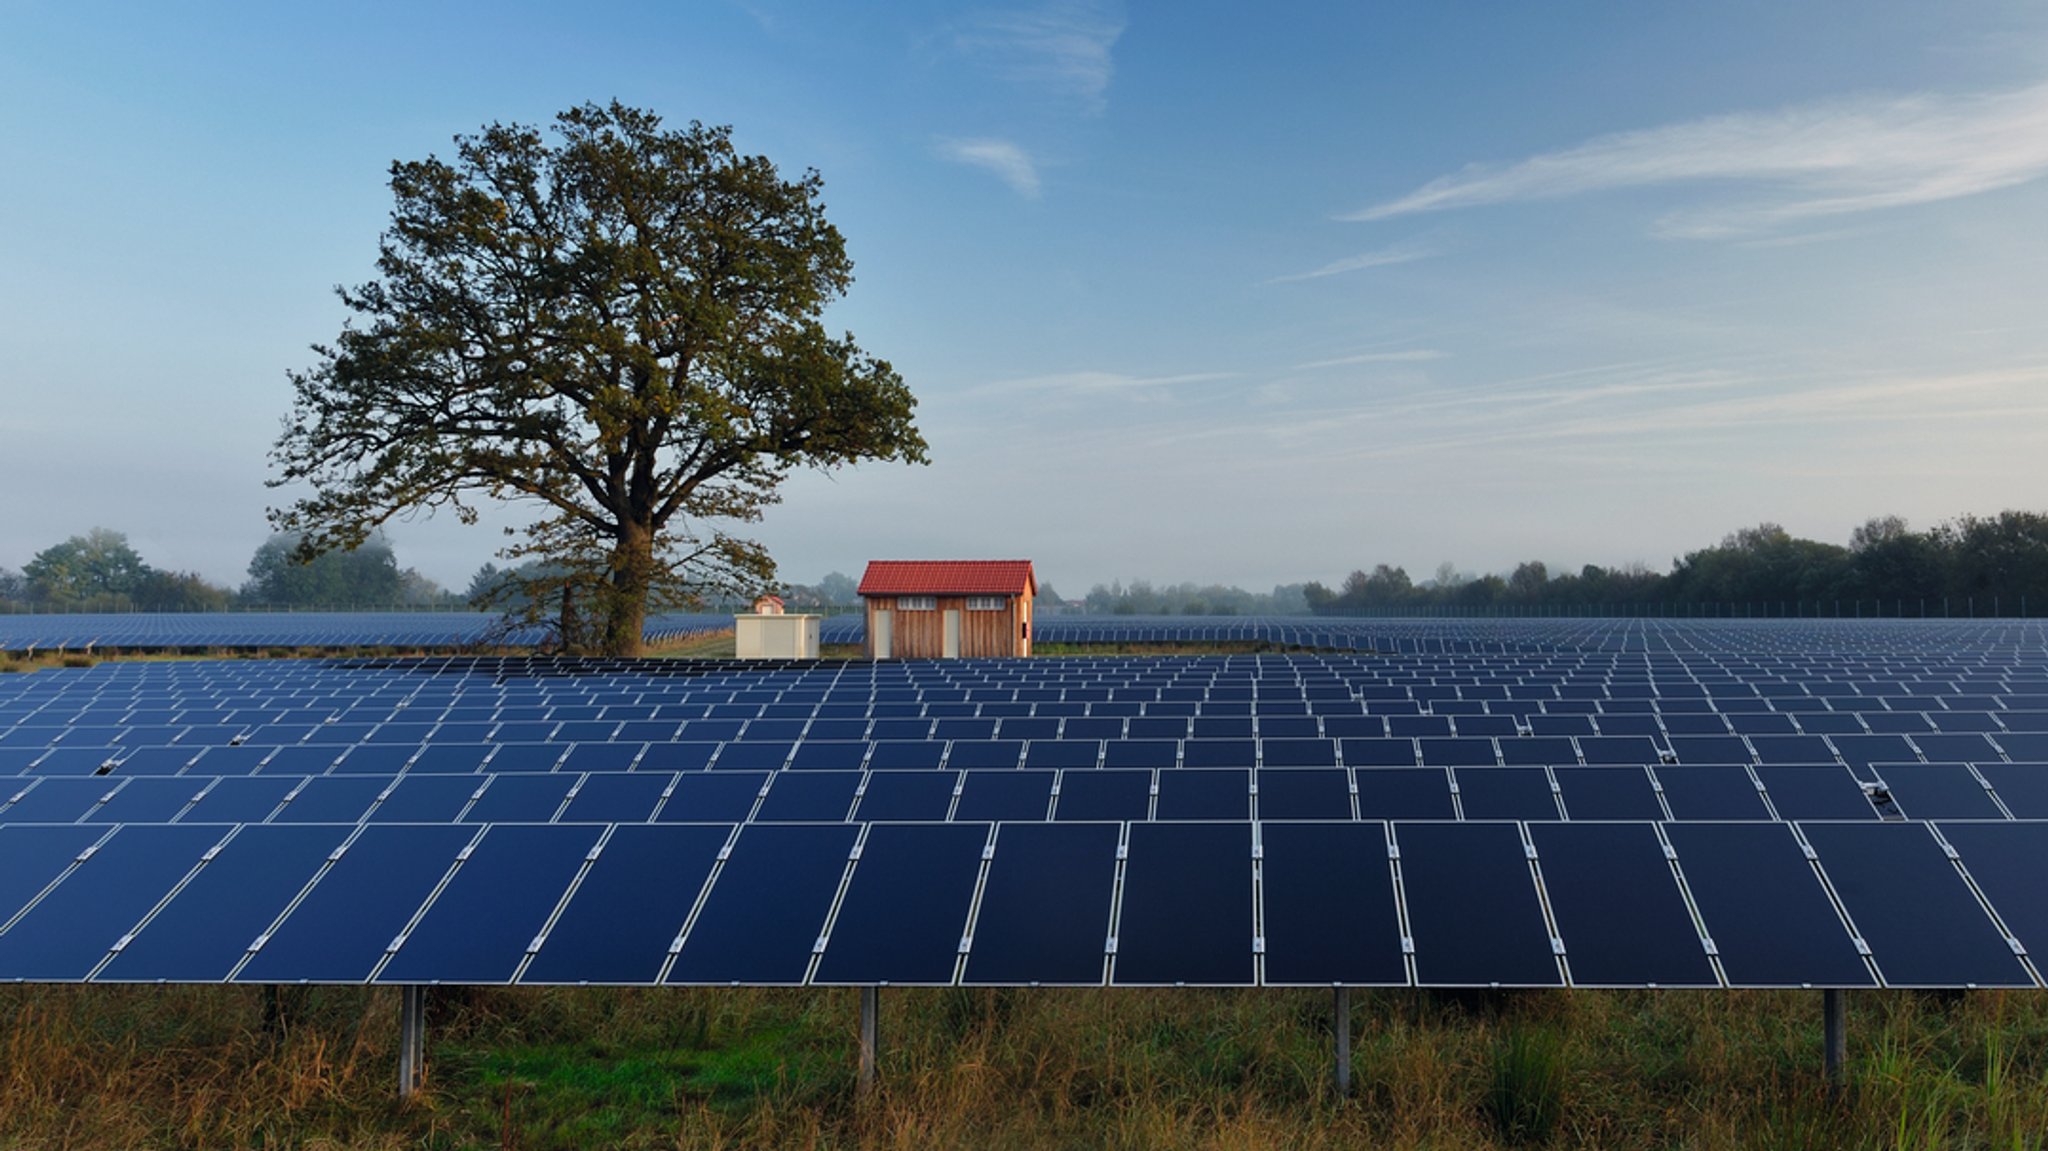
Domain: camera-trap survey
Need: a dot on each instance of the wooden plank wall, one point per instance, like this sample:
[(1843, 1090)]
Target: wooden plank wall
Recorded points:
[(922, 634)]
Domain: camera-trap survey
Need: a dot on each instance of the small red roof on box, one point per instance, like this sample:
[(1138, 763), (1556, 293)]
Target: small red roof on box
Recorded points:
[(948, 577)]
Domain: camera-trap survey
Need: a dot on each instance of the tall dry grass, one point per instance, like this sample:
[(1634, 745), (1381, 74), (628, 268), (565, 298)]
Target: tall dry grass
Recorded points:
[(198, 1067)]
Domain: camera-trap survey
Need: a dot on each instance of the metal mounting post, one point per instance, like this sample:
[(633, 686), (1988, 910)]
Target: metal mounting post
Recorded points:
[(1343, 1028), (412, 1039), (870, 1040), (1834, 1036)]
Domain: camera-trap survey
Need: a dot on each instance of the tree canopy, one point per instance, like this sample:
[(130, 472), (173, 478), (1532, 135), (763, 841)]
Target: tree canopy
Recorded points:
[(366, 575), (1981, 564), (619, 325), (101, 571)]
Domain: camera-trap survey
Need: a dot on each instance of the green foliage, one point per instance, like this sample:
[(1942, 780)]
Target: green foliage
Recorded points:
[(620, 326), (97, 566), (1141, 597), (100, 571), (1980, 565), (112, 1066), (366, 575), (1526, 1102)]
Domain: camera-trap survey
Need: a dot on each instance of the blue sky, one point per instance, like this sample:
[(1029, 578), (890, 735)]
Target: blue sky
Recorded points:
[(1186, 291)]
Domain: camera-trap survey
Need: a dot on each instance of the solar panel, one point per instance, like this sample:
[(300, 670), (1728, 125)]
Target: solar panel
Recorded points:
[(478, 928), (31, 858), (1618, 907), (340, 929), (71, 929), (1506, 793), (204, 931), (1711, 793), (767, 906), (1186, 911), (1405, 793), (996, 796), (618, 924), (904, 916), (1046, 904), (1923, 925), (1328, 907), (1104, 795), (1472, 906), (1764, 907)]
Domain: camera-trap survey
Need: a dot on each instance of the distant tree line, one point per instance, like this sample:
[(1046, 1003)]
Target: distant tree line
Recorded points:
[(1981, 565), (1140, 597), (101, 571)]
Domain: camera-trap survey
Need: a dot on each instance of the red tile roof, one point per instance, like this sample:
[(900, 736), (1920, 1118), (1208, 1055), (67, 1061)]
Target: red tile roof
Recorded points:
[(948, 577)]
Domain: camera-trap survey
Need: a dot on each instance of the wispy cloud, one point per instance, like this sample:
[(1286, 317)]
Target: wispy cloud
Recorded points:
[(1008, 161), (1812, 161), (1095, 383), (1414, 356), (1399, 254), (1064, 50)]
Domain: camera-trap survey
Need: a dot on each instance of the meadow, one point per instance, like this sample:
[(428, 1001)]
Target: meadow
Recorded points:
[(715, 1068)]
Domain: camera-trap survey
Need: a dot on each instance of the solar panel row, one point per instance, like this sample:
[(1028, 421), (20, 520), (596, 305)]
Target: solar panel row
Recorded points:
[(1679, 792), (1450, 636), (1952, 903), (1542, 817)]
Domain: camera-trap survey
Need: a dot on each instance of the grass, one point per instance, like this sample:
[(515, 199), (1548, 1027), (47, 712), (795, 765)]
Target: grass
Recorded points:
[(715, 1068)]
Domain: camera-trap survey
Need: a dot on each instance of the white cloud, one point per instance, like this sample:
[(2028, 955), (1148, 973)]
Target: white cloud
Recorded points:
[(1005, 159), (1064, 50), (1816, 161), (1415, 356), (1095, 383), (1400, 254)]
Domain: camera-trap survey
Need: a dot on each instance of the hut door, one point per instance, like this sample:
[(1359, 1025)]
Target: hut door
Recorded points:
[(951, 650), (883, 637)]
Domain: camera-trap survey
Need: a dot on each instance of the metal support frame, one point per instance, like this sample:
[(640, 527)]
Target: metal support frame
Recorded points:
[(412, 1039), (1834, 1036), (1343, 1028), (870, 1037)]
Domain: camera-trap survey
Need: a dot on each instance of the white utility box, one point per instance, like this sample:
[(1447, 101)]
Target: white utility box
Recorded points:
[(760, 636)]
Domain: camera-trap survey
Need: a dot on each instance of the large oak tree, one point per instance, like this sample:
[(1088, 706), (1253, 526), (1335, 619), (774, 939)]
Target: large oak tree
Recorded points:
[(618, 322)]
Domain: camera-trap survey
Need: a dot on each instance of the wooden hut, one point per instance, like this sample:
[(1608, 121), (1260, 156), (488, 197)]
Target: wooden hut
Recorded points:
[(948, 609)]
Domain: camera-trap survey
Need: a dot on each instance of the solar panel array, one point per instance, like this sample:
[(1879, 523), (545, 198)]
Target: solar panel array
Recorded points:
[(464, 630), (440, 629), (1564, 817)]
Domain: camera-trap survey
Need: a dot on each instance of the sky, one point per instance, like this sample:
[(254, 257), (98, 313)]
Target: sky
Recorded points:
[(1194, 291)]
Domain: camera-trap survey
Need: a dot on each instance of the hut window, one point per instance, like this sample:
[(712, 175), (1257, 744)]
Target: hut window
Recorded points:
[(985, 603), (917, 603)]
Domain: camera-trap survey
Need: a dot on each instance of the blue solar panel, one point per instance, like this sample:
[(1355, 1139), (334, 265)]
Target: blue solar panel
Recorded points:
[(798, 796), (617, 927), (1472, 906), (617, 797), (767, 906), (1045, 908), (995, 796), (904, 917), (1764, 907), (1104, 795), (340, 931), (31, 858), (1303, 793), (479, 927), (206, 929), (1186, 912), (72, 929), (1908, 901), (923, 796), (1328, 904), (1618, 907)]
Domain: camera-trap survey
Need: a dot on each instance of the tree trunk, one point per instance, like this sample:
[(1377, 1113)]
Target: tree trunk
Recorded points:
[(632, 572)]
